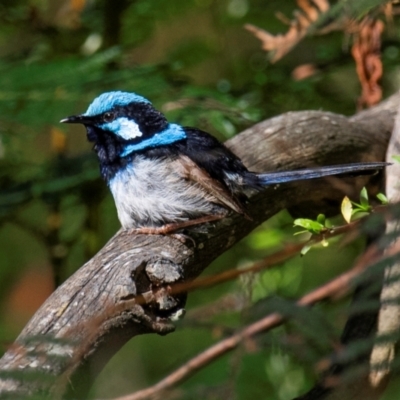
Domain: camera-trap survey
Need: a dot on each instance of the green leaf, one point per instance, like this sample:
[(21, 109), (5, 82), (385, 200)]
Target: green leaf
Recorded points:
[(396, 158), (346, 209), (305, 249), (357, 210), (382, 198), (364, 198), (321, 219), (309, 224), (300, 233)]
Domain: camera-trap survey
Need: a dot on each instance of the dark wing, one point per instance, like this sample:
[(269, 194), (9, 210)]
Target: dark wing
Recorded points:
[(217, 160), (189, 170)]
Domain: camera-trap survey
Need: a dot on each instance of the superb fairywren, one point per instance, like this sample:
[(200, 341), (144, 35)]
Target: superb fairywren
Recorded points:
[(166, 177)]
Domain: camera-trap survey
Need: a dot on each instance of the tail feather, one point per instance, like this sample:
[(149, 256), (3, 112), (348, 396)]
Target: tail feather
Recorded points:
[(356, 169)]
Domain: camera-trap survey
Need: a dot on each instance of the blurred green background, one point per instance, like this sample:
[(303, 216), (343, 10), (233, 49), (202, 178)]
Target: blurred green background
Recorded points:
[(196, 62)]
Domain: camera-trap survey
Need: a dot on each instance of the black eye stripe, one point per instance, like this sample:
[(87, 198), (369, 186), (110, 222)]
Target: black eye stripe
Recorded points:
[(149, 120)]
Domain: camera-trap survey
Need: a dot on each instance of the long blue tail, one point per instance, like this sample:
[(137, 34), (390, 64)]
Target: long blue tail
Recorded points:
[(355, 169)]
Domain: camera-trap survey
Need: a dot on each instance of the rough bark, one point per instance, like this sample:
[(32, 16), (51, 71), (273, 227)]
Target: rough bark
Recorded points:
[(92, 314), (383, 353)]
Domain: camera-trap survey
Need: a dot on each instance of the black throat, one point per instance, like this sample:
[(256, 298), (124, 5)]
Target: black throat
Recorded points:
[(109, 146)]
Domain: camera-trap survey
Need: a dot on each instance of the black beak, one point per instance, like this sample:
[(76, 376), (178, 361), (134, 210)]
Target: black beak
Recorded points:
[(78, 119)]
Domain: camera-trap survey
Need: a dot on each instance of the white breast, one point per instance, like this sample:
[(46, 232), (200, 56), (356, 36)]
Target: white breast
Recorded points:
[(152, 193)]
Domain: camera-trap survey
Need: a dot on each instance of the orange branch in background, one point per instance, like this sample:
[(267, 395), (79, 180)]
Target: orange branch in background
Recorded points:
[(366, 53), (77, 5), (280, 45), (365, 50)]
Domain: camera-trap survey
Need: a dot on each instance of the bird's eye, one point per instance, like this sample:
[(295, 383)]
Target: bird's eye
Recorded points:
[(108, 116)]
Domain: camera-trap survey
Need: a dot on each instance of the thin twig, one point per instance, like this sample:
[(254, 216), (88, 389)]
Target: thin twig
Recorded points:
[(290, 250)]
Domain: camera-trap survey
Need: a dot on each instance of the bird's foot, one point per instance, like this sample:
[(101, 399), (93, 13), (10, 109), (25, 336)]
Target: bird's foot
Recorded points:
[(154, 231), (173, 227)]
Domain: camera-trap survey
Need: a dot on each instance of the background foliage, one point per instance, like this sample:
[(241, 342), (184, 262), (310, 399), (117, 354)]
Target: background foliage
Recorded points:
[(195, 61)]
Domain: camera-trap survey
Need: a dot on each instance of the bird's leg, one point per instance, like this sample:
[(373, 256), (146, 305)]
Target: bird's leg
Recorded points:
[(172, 227)]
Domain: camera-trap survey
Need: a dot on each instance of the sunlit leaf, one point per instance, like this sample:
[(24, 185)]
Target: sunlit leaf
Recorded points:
[(305, 250), (346, 209)]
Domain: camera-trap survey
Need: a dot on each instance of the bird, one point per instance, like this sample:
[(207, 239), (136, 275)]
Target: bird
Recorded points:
[(165, 177)]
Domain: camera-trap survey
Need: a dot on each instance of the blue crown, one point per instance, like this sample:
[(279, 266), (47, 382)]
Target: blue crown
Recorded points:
[(109, 100)]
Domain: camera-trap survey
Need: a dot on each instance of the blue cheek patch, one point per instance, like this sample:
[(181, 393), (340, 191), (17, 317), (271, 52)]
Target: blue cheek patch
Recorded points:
[(110, 126), (170, 135)]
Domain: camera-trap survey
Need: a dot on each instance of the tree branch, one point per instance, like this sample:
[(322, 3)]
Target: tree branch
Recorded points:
[(336, 288), (383, 353), (76, 313)]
